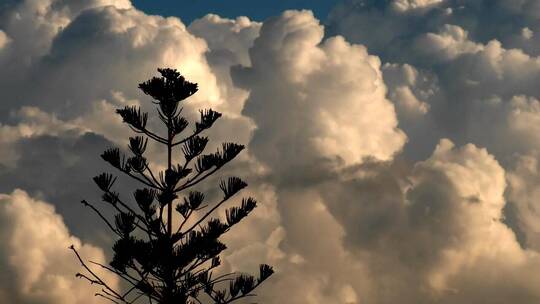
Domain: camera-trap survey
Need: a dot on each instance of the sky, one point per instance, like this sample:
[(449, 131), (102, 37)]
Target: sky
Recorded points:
[(393, 145), (188, 11)]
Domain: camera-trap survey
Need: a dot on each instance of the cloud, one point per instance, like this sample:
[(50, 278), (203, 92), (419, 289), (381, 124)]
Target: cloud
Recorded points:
[(523, 192), (226, 37), (465, 77), (341, 122), (407, 88), (400, 22), (4, 40), (314, 265), (80, 81), (63, 92), (407, 5), (37, 266), (59, 169), (143, 42), (448, 44), (228, 44), (317, 105), (477, 75), (314, 99), (427, 232), (63, 87), (437, 224), (32, 122), (121, 48)]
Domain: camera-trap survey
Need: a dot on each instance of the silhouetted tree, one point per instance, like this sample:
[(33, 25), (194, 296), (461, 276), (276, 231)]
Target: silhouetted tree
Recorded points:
[(161, 263)]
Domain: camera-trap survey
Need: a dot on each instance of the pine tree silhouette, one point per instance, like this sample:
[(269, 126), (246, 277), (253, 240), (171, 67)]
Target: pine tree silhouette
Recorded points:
[(161, 264)]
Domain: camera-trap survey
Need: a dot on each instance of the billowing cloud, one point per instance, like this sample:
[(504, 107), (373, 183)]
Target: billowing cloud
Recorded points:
[(466, 82), (32, 122), (448, 44), (477, 80), (355, 206), (314, 99), (524, 192), (63, 87), (37, 266), (406, 5), (318, 105), (408, 89), (228, 44), (105, 45), (388, 27), (4, 39), (226, 37), (427, 232)]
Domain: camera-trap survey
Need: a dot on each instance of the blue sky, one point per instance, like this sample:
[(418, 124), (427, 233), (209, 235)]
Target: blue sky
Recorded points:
[(256, 10)]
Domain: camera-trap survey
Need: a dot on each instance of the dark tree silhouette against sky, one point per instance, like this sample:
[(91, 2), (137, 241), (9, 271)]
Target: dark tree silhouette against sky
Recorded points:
[(161, 262)]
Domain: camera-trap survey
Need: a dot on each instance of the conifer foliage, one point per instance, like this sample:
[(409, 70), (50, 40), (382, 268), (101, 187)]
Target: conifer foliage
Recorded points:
[(161, 262)]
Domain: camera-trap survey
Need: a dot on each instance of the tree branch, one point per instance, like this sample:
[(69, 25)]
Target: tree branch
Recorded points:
[(101, 282), (206, 215), (188, 138), (193, 181), (149, 134), (142, 219), (86, 204)]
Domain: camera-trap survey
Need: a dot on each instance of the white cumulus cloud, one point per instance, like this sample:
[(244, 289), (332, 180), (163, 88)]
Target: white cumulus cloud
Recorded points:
[(406, 5), (315, 98), (37, 266), (341, 122)]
